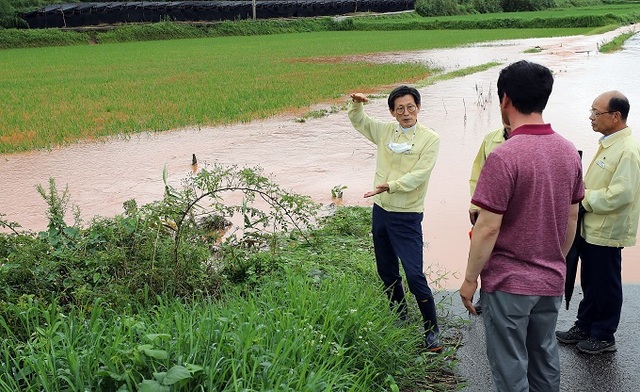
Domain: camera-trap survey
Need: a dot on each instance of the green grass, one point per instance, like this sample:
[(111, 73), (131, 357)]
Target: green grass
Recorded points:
[(89, 92), (615, 44), (594, 10), (322, 322), (591, 16), (293, 334)]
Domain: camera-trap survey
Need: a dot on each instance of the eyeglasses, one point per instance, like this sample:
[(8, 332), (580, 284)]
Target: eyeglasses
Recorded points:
[(596, 113), (409, 108)]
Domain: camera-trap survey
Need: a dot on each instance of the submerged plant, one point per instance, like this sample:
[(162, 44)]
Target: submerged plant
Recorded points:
[(338, 191)]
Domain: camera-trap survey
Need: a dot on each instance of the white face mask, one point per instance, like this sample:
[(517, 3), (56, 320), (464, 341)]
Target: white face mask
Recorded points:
[(399, 148)]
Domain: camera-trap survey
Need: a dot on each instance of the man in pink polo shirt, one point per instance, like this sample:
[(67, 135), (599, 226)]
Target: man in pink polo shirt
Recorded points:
[(528, 194)]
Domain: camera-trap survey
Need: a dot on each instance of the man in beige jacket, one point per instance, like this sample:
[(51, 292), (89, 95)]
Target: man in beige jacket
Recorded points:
[(407, 152), (611, 210)]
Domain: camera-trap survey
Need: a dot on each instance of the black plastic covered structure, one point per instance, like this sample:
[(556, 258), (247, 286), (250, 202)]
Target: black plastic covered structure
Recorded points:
[(94, 14)]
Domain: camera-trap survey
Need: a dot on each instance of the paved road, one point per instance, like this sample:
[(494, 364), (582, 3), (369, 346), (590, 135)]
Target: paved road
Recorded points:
[(611, 372)]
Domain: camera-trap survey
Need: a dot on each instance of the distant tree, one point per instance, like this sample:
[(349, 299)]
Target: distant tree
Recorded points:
[(7, 14), (486, 6), (437, 7), (11, 11)]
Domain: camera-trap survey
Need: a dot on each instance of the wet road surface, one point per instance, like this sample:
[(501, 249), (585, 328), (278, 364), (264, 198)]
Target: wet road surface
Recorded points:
[(610, 372)]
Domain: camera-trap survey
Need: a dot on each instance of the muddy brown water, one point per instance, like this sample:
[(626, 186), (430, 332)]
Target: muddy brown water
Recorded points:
[(312, 157)]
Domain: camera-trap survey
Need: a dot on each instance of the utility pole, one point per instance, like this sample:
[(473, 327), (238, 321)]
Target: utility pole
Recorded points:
[(253, 5)]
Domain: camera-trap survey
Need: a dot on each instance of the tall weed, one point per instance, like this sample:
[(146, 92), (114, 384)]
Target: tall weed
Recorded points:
[(159, 248), (295, 331)]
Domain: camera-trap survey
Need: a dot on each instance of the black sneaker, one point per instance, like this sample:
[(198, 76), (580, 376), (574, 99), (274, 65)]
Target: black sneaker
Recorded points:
[(432, 343), (595, 346), (572, 336)]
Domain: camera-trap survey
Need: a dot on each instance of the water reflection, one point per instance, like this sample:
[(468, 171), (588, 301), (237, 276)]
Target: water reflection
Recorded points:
[(313, 157)]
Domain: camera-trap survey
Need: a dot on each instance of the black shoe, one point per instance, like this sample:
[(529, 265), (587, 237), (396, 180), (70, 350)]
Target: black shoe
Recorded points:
[(595, 346), (434, 347), (432, 343), (572, 336)]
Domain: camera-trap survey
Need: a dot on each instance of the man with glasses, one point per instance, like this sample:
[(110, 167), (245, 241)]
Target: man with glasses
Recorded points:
[(528, 193), (406, 155), (611, 210)]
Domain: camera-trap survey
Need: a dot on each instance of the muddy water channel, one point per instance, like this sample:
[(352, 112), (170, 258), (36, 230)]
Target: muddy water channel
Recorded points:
[(312, 157)]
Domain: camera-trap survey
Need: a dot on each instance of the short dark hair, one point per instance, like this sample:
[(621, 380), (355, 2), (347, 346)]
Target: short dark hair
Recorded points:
[(401, 91), (528, 86), (619, 104)]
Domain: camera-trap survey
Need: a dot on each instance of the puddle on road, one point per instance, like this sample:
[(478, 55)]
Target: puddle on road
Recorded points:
[(311, 158)]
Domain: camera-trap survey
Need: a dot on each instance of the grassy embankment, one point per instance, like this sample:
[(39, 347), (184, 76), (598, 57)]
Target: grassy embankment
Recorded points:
[(111, 307), (616, 44), (301, 316)]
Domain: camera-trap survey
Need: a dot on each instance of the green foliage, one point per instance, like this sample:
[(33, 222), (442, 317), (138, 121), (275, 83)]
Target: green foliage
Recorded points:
[(104, 95), (261, 227), (27, 5), (160, 248), (582, 3), (147, 98), (58, 203), (437, 7), (337, 191), (291, 334), (12, 226), (486, 6), (12, 38), (517, 22), (319, 113), (431, 8), (319, 321), (596, 16), (20, 38), (349, 222), (526, 5), (616, 43), (9, 17), (168, 30), (148, 32), (277, 26), (602, 30)]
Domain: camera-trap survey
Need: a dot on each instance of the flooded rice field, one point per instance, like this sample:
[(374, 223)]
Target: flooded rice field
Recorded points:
[(312, 157)]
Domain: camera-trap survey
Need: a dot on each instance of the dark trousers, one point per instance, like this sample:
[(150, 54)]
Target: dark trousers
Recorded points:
[(398, 235), (601, 280)]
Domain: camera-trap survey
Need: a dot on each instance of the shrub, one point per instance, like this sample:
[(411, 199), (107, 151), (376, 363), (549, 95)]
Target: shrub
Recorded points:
[(159, 248), (11, 11), (18, 38), (526, 5), (149, 32), (487, 6), (580, 3), (437, 7)]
